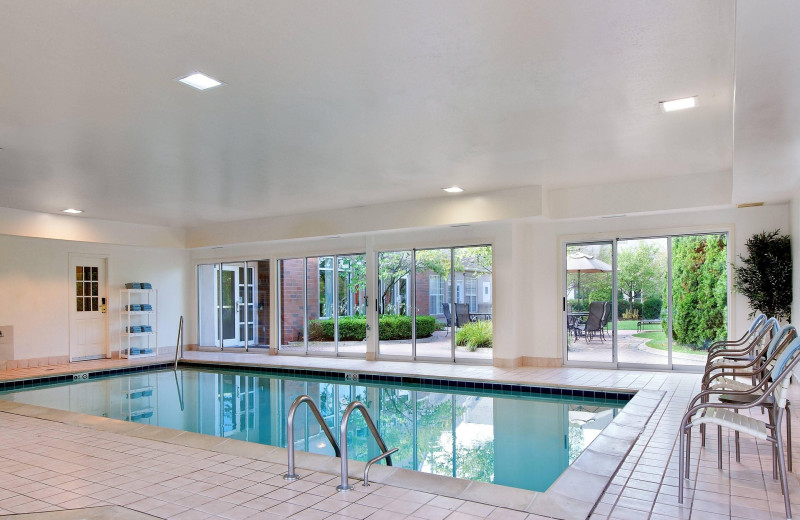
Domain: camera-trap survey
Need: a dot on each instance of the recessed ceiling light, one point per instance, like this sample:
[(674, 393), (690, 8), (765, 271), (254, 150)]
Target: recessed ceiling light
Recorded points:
[(453, 189), (679, 104), (200, 81), (72, 211)]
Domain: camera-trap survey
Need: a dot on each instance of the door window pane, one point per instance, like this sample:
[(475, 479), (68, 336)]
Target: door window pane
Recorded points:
[(433, 273), (588, 302), (641, 284), (473, 273), (699, 296), (258, 291), (320, 300), (292, 275), (351, 304), (394, 313), (208, 305)]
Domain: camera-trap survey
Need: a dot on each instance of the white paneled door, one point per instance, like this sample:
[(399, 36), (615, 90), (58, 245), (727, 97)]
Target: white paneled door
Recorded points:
[(88, 320)]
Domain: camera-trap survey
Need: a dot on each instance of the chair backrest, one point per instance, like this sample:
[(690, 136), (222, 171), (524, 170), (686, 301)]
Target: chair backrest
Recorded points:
[(446, 310), (779, 338), (595, 319), (462, 314), (606, 313), (760, 319), (765, 335), (784, 366)]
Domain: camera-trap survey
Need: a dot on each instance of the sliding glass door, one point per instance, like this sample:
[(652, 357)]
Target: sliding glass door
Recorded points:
[(233, 304), (587, 304), (450, 318), (323, 305), (645, 302)]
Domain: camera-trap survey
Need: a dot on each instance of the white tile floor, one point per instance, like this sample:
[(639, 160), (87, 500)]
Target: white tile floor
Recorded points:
[(46, 464)]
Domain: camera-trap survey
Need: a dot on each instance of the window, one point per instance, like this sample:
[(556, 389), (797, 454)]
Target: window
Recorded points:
[(472, 293), (86, 289), (326, 287), (436, 293)]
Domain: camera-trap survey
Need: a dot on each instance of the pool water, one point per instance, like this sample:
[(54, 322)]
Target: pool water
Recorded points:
[(525, 441)]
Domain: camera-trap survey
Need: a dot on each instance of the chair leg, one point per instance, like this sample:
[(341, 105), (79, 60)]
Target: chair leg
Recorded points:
[(736, 443), (681, 463), (771, 414), (719, 447), (782, 465), (788, 437), (688, 450)]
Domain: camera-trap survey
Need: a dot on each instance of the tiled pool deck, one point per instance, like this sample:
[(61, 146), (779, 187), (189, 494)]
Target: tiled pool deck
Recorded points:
[(52, 460)]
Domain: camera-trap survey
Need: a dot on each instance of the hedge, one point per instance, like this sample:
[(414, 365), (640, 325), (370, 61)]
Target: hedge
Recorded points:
[(391, 326)]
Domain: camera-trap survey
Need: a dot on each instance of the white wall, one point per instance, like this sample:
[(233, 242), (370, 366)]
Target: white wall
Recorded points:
[(794, 228), (34, 289), (526, 289)]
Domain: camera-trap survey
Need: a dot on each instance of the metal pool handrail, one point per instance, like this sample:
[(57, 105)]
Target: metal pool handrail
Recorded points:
[(372, 461), (290, 474), (358, 405), (179, 343)]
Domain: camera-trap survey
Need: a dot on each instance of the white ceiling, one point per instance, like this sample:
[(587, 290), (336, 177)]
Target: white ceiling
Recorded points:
[(341, 104)]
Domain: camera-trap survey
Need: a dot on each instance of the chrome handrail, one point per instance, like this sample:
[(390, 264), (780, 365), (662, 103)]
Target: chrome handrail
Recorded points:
[(373, 461), (179, 343), (290, 474), (358, 405)]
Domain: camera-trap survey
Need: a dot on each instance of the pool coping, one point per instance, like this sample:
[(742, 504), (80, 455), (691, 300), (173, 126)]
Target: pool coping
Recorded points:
[(573, 496)]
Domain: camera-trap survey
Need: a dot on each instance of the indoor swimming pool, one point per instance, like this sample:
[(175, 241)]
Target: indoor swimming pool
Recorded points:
[(519, 437)]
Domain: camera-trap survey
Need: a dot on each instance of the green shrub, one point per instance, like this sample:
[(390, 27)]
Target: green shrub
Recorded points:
[(474, 335), (651, 308), (394, 326), (354, 328)]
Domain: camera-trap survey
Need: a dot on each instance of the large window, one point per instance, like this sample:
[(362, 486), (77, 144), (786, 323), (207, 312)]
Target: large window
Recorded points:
[(233, 304), (654, 301), (450, 318), (323, 305)]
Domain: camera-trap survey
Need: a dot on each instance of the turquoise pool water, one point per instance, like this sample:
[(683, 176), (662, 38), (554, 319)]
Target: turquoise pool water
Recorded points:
[(524, 441)]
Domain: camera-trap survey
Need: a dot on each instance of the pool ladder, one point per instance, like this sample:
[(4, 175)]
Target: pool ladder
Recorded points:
[(341, 453)]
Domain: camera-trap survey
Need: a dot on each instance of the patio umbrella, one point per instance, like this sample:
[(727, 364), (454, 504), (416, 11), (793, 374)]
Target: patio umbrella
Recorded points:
[(580, 262)]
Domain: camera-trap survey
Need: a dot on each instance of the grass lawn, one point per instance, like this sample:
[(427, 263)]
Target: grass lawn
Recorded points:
[(658, 340)]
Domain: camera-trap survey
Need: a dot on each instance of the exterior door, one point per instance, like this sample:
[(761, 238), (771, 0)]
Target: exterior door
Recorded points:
[(88, 330), (230, 306)]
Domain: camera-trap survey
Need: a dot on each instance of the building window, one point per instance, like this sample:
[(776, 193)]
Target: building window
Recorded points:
[(436, 294), (472, 293)]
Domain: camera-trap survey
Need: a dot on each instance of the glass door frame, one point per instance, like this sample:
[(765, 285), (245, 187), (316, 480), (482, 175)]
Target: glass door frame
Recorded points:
[(564, 329), (412, 301), (335, 309), (250, 267), (669, 236)]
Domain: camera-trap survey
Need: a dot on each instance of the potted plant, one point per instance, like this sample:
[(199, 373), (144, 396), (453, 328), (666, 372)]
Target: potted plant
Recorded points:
[(765, 277)]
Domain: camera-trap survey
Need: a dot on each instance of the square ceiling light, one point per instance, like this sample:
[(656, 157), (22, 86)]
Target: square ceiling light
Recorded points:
[(453, 189), (200, 81), (679, 104)]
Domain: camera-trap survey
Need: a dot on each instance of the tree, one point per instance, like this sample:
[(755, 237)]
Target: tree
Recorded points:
[(640, 270), (765, 277), (699, 289)]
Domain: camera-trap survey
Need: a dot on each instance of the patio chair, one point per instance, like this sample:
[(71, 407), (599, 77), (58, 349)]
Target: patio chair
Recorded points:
[(758, 370), (742, 355), (447, 316), (755, 326), (725, 415), (594, 322), (462, 314), (606, 318)]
